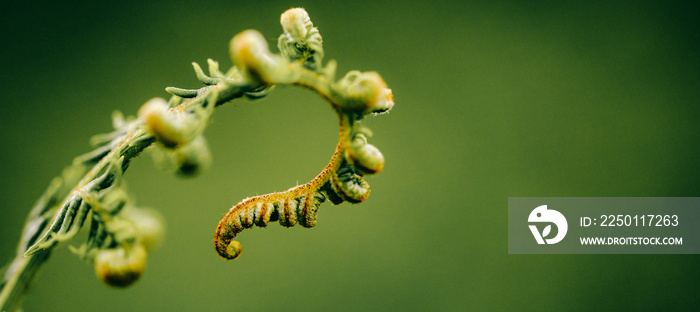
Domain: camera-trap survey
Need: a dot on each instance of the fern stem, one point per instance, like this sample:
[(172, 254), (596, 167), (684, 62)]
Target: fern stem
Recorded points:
[(22, 269)]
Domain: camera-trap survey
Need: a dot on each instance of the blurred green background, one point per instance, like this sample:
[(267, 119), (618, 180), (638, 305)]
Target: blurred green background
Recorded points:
[(493, 99)]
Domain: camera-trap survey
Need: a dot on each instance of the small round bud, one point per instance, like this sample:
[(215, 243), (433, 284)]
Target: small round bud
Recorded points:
[(363, 93), (350, 187), (187, 160), (194, 157), (366, 157), (121, 267), (155, 114), (294, 23), (250, 53)]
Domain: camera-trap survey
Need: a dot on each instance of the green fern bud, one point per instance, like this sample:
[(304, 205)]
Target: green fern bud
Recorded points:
[(250, 53), (363, 93), (122, 266), (166, 127), (365, 157)]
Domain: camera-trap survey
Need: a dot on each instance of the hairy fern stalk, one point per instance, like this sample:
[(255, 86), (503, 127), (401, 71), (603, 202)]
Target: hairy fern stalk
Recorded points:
[(91, 191)]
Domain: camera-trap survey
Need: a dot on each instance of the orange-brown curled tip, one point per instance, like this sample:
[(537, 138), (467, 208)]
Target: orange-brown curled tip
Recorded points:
[(229, 251)]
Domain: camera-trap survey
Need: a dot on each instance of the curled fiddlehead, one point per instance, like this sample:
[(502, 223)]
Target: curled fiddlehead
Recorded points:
[(92, 191), (353, 97)]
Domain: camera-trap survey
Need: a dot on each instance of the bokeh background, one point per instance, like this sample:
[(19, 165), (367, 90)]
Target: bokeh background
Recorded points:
[(494, 99)]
